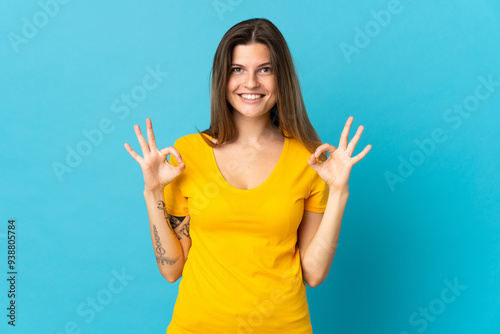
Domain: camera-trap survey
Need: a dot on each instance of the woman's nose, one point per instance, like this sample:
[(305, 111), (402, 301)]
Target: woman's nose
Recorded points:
[(251, 81)]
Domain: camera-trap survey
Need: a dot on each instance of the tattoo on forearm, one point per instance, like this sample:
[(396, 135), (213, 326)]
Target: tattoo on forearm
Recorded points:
[(160, 251), (177, 235), (174, 222), (185, 230), (161, 206)]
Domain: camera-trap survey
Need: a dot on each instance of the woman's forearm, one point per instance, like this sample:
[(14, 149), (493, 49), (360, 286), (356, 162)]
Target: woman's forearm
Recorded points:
[(167, 247), (319, 254)]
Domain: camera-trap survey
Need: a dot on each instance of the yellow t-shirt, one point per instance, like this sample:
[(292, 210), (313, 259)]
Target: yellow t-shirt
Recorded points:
[(243, 271)]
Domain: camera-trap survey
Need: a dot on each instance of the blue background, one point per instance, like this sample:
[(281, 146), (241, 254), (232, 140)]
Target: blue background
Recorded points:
[(399, 244)]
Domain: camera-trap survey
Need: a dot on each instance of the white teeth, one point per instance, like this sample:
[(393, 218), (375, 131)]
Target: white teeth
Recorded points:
[(251, 97)]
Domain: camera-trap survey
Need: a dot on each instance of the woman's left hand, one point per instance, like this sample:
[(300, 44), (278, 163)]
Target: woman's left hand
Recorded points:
[(335, 171)]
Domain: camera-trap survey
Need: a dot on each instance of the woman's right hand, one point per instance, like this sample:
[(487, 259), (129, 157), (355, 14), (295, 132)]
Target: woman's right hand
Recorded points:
[(156, 169)]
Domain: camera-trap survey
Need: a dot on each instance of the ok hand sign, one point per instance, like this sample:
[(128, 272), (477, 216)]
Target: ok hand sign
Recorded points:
[(335, 171), (157, 171)]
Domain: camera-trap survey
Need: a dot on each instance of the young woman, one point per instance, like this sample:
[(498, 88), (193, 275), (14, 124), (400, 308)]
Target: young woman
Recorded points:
[(253, 200)]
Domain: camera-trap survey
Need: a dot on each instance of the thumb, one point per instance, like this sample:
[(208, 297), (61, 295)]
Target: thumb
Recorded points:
[(312, 162)]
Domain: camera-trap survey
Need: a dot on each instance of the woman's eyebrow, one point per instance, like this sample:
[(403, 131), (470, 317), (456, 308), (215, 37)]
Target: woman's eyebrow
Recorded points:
[(263, 64)]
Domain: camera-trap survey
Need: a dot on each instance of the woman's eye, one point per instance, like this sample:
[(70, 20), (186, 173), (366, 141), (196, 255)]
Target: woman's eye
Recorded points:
[(239, 69)]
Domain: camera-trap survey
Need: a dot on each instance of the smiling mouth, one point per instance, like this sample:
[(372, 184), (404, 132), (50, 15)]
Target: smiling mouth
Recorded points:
[(251, 96)]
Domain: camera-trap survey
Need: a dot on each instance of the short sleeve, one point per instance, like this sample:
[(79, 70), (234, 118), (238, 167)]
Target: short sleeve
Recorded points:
[(175, 202), (318, 195)]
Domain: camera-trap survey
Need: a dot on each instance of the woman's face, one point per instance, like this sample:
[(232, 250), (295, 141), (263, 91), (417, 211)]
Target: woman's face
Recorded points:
[(251, 84)]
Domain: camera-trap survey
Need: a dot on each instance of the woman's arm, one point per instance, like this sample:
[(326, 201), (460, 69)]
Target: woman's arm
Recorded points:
[(158, 173), (169, 234), (335, 171), (318, 238)]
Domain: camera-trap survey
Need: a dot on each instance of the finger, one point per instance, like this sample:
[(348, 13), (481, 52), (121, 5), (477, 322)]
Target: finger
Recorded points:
[(354, 140), (315, 165), (142, 141), (312, 160), (151, 135), (172, 150), (324, 147), (362, 154), (345, 133), (134, 155)]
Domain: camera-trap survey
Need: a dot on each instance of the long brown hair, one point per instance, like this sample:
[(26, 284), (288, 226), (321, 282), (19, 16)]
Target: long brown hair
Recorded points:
[(289, 113)]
